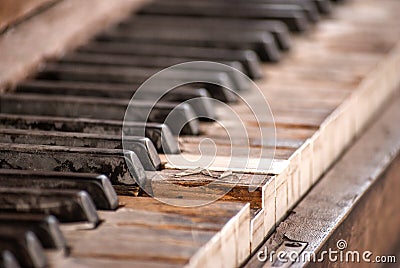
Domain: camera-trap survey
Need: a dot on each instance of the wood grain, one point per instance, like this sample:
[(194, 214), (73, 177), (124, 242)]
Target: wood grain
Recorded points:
[(12, 11), (322, 95), (148, 233), (357, 200), (52, 32)]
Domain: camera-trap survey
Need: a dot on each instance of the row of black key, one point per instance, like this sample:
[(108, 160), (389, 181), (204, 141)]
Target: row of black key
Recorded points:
[(33, 203), (67, 121)]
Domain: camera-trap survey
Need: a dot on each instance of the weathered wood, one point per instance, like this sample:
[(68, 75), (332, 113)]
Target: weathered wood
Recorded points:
[(13, 11), (53, 31), (170, 186), (322, 95), (147, 232), (356, 201)]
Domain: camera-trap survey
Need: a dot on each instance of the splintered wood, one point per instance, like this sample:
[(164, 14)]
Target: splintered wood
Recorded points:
[(322, 94)]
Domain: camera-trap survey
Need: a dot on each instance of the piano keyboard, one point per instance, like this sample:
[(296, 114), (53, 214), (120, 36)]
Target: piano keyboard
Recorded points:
[(70, 187)]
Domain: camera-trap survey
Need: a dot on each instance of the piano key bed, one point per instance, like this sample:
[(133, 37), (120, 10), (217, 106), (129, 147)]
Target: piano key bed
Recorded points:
[(325, 69)]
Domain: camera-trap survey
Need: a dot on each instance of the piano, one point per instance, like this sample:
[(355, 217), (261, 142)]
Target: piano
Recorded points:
[(199, 133)]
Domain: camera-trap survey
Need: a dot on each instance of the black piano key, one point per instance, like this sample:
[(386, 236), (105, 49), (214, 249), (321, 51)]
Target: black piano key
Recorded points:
[(262, 43), (277, 28), (45, 227), (67, 205), (158, 62), (141, 146), (150, 61), (202, 105), (180, 118), (25, 246), (145, 150), (8, 260), (74, 88), (154, 62), (247, 58), (102, 108), (307, 6), (234, 70), (136, 76), (159, 134), (198, 98), (292, 15), (218, 83), (110, 162), (324, 6), (125, 75), (98, 186), (96, 73)]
